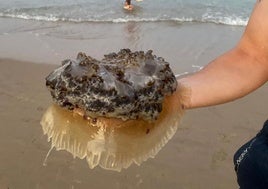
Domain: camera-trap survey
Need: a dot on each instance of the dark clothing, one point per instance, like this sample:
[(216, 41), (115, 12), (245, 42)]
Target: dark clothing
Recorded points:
[(251, 162)]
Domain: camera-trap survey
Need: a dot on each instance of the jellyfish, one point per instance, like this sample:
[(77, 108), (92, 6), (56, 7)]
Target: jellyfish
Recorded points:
[(114, 112)]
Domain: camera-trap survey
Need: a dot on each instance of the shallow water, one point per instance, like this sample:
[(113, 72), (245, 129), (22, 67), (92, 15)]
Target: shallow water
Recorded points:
[(187, 47), (213, 11)]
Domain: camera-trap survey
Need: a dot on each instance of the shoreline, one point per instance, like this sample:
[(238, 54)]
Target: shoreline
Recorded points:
[(185, 46)]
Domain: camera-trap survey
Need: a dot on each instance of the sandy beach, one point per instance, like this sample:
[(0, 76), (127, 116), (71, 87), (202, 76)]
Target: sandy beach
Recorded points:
[(198, 156)]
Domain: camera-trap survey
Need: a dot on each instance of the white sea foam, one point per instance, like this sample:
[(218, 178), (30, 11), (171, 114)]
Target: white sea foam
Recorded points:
[(232, 20), (25, 16), (228, 20)]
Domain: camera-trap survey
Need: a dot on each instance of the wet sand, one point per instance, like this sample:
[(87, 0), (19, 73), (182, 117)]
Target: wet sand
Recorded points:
[(198, 156)]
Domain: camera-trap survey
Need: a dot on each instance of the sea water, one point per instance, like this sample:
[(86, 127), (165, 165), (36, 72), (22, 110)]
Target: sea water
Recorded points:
[(192, 32), (229, 12)]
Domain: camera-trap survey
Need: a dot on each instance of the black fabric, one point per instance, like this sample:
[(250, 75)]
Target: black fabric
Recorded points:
[(251, 162)]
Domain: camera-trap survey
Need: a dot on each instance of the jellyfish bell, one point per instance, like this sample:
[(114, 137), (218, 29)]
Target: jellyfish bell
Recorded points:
[(111, 143), (125, 85)]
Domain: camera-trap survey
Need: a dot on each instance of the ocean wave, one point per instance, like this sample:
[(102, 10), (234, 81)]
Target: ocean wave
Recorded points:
[(228, 20), (49, 18), (205, 18)]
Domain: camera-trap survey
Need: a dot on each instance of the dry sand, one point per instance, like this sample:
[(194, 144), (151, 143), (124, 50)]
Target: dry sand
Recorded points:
[(198, 156)]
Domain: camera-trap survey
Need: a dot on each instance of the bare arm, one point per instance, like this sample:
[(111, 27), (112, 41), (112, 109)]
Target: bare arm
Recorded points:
[(237, 72)]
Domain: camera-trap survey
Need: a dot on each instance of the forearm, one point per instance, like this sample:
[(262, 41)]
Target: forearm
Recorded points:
[(229, 77), (237, 72)]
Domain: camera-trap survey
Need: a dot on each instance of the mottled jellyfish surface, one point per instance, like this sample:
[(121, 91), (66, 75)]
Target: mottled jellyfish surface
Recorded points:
[(111, 143), (128, 104), (125, 85)]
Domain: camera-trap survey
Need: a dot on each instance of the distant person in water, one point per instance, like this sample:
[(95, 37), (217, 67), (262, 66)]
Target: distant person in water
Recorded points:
[(128, 5)]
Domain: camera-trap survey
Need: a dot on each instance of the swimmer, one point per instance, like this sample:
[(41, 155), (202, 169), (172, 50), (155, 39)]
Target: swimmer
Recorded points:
[(128, 5)]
